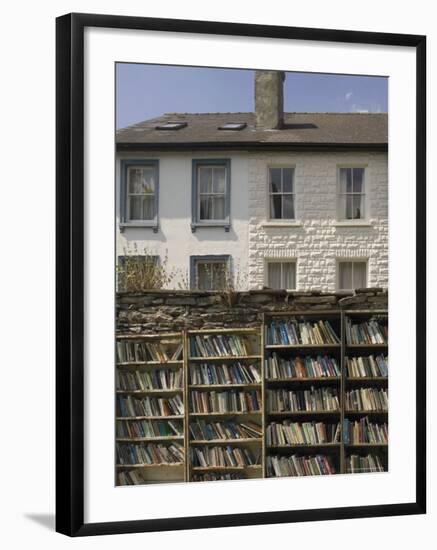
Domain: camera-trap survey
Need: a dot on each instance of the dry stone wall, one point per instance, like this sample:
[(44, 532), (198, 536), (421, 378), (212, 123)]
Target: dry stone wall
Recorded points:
[(165, 311)]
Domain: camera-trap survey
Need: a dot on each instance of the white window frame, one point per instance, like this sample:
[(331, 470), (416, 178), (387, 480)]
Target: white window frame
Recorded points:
[(268, 194), (341, 216), (351, 261), (281, 261)]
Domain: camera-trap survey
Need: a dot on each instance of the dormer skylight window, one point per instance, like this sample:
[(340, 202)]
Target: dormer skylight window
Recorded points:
[(233, 126), (171, 126)]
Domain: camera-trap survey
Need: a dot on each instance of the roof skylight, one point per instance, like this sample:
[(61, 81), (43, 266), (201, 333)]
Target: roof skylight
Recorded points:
[(171, 125), (233, 126)]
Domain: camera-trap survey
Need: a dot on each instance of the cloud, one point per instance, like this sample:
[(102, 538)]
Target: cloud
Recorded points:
[(348, 95), (359, 109)]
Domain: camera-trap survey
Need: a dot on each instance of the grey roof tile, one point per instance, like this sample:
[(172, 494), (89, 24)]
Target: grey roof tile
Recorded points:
[(299, 128)]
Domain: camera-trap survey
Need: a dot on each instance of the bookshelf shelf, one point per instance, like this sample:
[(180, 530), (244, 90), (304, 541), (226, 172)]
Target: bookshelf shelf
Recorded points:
[(225, 358), (348, 412), (303, 413), (173, 417), (224, 386), (367, 379), (352, 445), (150, 392), (230, 413), (323, 379), (225, 441), (150, 364), (306, 446), (266, 359), (224, 468), (303, 346), (161, 465), (366, 346), (150, 439)]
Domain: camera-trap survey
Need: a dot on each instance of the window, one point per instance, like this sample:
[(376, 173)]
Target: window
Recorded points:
[(351, 197), (139, 193), (281, 275), (138, 272), (209, 272), (171, 126), (211, 193), (352, 275), (235, 126), (281, 194)]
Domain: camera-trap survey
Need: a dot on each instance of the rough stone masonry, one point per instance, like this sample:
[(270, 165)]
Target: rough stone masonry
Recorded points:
[(166, 311)]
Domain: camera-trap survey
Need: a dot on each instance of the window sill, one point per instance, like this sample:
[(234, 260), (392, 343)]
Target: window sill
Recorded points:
[(272, 223), (220, 225), (353, 223), (138, 225)]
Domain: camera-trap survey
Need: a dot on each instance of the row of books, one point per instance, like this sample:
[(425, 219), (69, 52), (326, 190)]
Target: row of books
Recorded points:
[(201, 430), (369, 332), (157, 379), (152, 453), (149, 406), (364, 431), (232, 457), (131, 477), (215, 476), (301, 367), (149, 428), (360, 367), (305, 433), (139, 351), (366, 399), (225, 401), (291, 332), (218, 345), (234, 373), (356, 464), (297, 465), (320, 399)]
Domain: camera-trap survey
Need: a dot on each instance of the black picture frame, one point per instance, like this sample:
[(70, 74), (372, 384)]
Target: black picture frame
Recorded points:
[(70, 273)]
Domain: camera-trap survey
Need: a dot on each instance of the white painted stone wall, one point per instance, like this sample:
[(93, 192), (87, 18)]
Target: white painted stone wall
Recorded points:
[(317, 240)]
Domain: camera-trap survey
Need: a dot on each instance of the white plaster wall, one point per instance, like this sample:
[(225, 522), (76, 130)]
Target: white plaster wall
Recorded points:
[(317, 241), (174, 238)]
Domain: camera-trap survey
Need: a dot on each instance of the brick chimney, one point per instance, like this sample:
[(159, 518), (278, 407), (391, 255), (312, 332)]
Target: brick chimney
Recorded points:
[(269, 99)]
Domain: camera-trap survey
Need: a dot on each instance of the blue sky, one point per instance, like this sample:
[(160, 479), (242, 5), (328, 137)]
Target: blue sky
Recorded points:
[(146, 91)]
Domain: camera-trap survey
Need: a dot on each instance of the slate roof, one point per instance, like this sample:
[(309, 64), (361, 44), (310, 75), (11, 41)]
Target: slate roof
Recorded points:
[(300, 129)]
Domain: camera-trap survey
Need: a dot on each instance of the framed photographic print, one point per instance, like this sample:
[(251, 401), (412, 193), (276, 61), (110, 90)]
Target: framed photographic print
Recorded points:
[(240, 219)]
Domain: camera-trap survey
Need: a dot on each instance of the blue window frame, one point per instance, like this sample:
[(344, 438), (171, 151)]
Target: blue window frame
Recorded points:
[(211, 193), (210, 272), (139, 193)]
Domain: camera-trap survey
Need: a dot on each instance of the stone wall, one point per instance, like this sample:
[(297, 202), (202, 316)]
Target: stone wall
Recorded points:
[(160, 311), (317, 240)]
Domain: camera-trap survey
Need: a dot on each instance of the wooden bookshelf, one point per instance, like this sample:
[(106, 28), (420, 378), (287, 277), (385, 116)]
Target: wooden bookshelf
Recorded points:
[(259, 349), (149, 355), (216, 363), (353, 349)]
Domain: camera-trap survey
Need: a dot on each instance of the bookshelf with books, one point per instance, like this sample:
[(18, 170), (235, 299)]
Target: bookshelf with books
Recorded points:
[(365, 424), (150, 409), (304, 393), (303, 381), (225, 404)]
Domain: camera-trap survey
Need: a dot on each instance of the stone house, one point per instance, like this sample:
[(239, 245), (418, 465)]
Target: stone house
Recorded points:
[(280, 200)]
